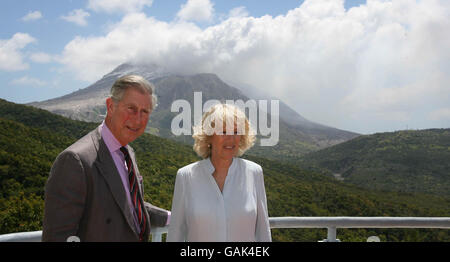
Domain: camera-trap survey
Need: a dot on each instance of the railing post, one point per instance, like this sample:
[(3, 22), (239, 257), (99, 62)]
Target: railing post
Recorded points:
[(157, 237), (331, 234), (157, 233)]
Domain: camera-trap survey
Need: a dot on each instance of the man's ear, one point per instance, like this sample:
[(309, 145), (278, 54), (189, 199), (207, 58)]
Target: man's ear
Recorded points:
[(109, 105)]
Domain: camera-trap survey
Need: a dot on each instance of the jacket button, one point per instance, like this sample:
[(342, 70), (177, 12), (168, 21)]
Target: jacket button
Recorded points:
[(108, 220)]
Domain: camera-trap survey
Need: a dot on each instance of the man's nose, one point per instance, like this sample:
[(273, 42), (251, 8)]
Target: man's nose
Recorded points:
[(138, 117)]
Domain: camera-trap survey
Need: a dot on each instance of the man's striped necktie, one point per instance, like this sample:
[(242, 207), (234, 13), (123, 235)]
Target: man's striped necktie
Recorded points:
[(134, 191)]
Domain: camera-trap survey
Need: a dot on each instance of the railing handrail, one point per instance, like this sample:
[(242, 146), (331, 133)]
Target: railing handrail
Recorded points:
[(360, 222), (331, 223), (34, 236)]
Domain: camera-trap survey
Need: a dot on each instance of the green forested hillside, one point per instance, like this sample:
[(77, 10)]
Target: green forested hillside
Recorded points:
[(30, 140), (403, 161)]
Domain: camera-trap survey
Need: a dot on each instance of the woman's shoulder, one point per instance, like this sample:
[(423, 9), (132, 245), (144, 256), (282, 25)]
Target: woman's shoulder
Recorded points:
[(191, 168), (250, 165), (186, 169)]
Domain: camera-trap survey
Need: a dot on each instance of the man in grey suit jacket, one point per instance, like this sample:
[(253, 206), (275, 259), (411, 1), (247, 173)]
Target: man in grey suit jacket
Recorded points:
[(87, 194)]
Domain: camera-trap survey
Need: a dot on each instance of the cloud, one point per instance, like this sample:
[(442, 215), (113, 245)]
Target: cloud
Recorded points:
[(77, 16), (129, 40), (119, 6), (240, 11), (345, 68), (440, 114), (11, 57), (32, 16), (196, 10), (41, 58), (28, 81)]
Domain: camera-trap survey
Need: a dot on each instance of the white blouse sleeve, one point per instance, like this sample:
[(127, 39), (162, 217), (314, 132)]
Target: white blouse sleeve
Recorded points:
[(262, 220), (177, 228)]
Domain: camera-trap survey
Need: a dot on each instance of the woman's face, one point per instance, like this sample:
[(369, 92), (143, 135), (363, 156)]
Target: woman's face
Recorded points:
[(225, 146)]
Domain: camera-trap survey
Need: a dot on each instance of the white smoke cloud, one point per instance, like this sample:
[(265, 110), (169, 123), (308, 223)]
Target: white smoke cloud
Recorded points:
[(360, 69)]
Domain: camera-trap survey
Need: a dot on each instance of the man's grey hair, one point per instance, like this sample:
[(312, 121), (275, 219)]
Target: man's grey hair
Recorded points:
[(122, 84)]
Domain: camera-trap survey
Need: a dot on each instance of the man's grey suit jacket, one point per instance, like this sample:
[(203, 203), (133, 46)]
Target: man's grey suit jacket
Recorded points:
[(85, 196)]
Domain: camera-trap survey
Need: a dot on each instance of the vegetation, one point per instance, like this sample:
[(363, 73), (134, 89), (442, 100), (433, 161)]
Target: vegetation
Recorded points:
[(403, 161), (30, 140)]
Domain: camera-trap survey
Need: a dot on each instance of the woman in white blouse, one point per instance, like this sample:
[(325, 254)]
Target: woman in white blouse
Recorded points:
[(222, 197)]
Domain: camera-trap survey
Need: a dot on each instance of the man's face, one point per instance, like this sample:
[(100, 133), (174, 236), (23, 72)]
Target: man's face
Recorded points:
[(127, 119)]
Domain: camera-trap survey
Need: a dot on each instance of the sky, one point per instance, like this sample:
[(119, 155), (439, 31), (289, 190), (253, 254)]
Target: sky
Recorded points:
[(365, 66)]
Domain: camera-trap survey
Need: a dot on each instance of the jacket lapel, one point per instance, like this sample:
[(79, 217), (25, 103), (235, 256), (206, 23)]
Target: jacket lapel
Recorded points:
[(107, 168)]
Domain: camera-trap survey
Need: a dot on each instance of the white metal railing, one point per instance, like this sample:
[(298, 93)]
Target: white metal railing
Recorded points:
[(331, 223)]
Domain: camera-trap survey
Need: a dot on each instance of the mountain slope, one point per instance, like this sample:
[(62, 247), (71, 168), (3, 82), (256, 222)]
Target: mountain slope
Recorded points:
[(403, 161), (28, 146), (89, 105)]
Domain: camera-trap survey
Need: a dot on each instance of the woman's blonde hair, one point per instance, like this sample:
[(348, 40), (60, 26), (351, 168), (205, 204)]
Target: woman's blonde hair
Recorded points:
[(214, 121)]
